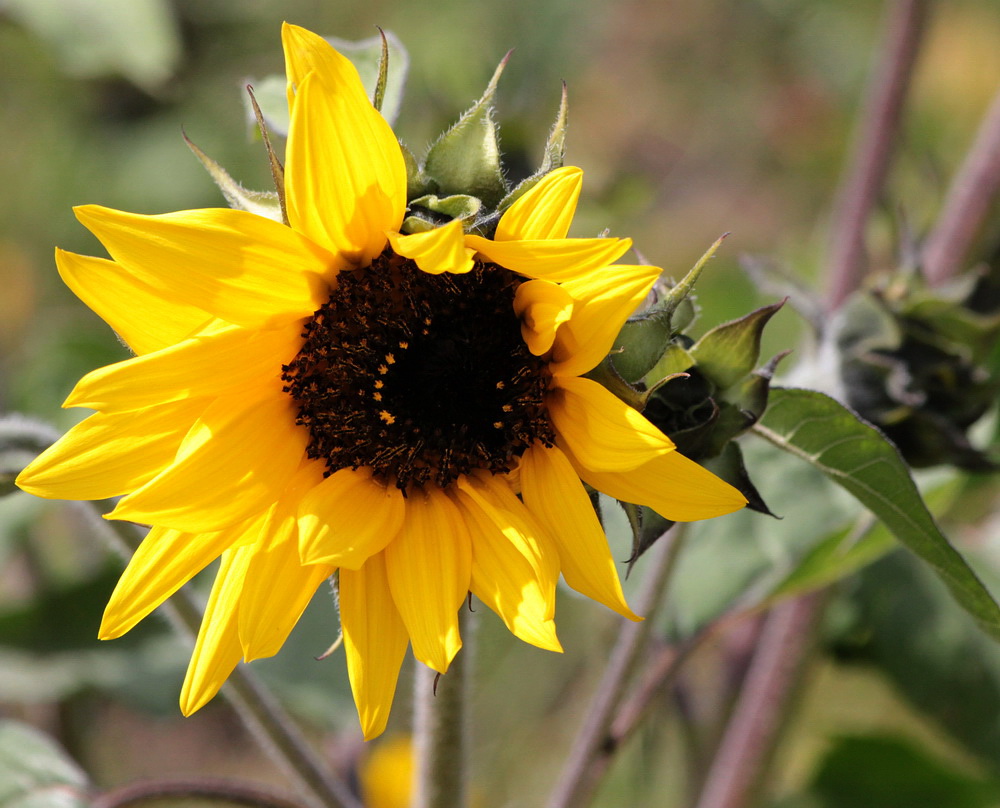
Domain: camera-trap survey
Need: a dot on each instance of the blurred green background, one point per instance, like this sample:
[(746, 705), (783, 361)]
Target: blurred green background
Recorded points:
[(689, 120)]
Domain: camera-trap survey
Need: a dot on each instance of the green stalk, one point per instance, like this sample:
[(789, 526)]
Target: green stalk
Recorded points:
[(441, 728)]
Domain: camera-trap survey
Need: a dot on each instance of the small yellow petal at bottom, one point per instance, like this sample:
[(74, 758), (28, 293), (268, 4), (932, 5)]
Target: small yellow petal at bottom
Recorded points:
[(375, 640), (429, 567)]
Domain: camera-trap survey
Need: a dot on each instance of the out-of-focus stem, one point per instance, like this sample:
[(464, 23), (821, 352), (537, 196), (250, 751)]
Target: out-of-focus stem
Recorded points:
[(441, 728), (871, 152), (972, 192), (580, 777), (760, 712)]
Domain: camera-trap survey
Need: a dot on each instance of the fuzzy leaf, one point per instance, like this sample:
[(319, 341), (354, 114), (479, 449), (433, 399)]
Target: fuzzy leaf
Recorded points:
[(35, 772), (828, 436), (729, 352), (466, 158)]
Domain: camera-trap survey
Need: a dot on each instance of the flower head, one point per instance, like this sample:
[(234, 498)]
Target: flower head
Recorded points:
[(334, 395)]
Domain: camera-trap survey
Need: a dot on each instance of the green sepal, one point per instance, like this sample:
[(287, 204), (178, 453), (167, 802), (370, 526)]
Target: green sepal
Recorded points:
[(729, 352), (675, 359), (263, 203), (417, 224), (380, 60), (729, 465), (552, 157), (466, 158), (457, 206), (417, 183), (641, 343)]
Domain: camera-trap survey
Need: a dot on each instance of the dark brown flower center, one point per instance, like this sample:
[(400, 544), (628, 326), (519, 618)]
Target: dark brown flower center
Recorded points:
[(419, 377)]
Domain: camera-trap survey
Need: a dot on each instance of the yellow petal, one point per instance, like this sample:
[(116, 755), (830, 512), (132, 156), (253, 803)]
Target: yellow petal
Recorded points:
[(109, 455), (435, 251), (429, 568), (493, 497), (545, 211), (227, 361), (277, 587), (242, 268), (542, 306), (604, 299), (148, 322), (553, 492), (306, 52), (672, 485), (553, 260), (375, 641), (347, 518), (165, 561), (345, 180), (233, 463), (217, 650), (507, 580), (603, 431)]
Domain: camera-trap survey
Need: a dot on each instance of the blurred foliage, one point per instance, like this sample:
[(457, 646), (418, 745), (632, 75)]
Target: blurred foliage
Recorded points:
[(689, 120)]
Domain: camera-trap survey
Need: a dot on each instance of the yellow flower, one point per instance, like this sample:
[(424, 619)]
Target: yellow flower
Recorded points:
[(334, 395)]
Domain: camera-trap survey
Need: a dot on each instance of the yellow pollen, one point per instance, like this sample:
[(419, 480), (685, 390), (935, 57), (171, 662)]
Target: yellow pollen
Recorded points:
[(383, 369), (387, 416), (403, 345), (379, 384), (377, 396), (390, 359)]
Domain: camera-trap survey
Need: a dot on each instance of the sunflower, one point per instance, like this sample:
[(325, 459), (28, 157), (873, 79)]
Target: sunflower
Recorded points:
[(331, 395)]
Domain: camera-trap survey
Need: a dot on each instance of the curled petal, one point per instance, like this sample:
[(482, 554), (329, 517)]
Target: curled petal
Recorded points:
[(542, 306), (435, 251)]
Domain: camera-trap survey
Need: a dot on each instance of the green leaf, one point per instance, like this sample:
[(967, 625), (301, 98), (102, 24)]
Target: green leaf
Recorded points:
[(831, 438), (36, 773), (932, 651), (891, 772), (466, 158), (137, 39), (729, 352)]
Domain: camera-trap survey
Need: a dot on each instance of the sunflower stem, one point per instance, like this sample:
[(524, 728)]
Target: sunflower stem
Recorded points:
[(201, 789), (441, 728), (257, 708), (878, 125), (972, 192), (580, 777)]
